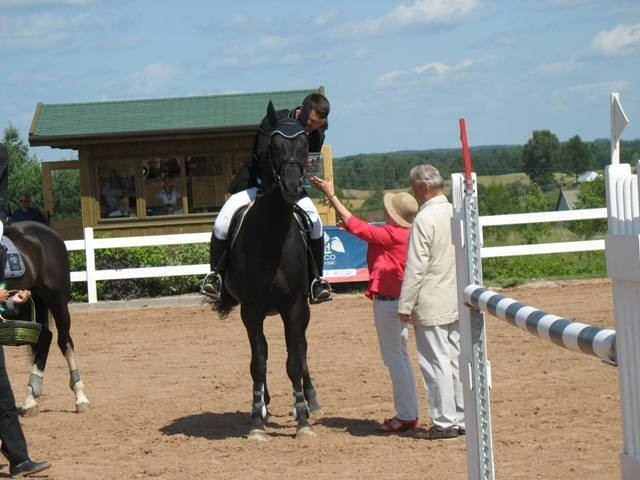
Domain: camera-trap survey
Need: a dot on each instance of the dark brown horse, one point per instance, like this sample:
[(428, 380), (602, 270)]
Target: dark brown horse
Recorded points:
[(47, 276), (267, 273)]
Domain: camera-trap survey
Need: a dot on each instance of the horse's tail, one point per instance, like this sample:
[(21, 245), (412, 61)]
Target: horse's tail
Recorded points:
[(226, 303)]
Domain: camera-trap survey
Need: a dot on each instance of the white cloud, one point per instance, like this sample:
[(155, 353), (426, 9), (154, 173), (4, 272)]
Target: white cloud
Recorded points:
[(420, 13), (325, 19), (88, 19), (27, 3), (126, 41), (592, 92), (622, 40), (42, 30), (32, 31), (272, 42), (432, 71), (152, 77), (558, 68)]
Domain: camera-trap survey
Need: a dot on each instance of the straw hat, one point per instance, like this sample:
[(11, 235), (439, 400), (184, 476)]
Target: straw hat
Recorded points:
[(401, 207)]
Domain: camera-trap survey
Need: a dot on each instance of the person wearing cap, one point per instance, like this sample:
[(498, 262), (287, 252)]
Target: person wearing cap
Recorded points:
[(429, 300), (386, 257), (312, 114)]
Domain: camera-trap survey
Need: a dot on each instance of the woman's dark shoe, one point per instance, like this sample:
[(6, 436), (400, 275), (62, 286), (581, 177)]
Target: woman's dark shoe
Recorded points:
[(28, 467)]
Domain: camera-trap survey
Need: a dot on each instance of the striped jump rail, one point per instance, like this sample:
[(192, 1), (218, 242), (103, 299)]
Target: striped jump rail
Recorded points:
[(580, 337)]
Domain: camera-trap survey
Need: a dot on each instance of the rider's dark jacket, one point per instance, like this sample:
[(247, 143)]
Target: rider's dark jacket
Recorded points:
[(251, 172)]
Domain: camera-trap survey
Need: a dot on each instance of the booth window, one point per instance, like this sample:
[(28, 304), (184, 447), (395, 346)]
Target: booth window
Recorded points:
[(171, 185)]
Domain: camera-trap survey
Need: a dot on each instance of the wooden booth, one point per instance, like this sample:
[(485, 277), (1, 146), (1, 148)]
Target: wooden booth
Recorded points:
[(156, 166)]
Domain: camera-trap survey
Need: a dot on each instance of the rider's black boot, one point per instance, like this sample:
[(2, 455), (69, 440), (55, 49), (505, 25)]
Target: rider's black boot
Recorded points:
[(320, 290), (212, 283)]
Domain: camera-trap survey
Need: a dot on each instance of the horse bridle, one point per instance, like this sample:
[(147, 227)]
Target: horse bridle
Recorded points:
[(288, 130)]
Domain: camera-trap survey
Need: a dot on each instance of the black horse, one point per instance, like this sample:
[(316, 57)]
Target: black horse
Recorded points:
[(267, 273), (47, 276)]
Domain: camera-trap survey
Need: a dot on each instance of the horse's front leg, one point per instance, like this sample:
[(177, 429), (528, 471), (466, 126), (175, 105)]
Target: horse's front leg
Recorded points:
[(253, 323), (295, 326)]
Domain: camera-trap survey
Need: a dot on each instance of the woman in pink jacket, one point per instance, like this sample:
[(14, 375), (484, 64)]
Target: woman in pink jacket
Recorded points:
[(386, 258)]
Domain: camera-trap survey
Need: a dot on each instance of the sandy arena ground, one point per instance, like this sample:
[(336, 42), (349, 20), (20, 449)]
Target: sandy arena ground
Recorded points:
[(170, 395)]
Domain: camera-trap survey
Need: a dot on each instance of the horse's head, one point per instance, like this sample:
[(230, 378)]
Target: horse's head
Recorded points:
[(288, 153)]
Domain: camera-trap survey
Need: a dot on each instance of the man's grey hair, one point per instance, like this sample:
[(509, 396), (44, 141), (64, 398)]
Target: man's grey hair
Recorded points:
[(427, 175)]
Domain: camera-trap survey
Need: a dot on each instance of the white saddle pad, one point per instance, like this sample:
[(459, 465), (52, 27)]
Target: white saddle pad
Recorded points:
[(15, 265)]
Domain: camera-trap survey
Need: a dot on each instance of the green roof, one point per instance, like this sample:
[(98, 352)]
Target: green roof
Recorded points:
[(67, 125)]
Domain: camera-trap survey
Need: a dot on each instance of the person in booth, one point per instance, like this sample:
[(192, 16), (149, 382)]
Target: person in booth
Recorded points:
[(26, 212), (312, 114)]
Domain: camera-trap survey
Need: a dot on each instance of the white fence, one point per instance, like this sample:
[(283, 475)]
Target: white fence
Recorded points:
[(91, 244)]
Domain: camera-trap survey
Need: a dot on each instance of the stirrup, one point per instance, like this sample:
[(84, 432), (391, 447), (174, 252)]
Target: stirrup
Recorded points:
[(325, 291), (212, 285)]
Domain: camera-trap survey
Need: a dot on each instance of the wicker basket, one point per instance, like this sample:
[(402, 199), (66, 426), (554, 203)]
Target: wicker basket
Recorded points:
[(20, 332)]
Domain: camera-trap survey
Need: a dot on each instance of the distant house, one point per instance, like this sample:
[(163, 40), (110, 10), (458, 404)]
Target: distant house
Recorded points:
[(567, 199), (588, 176)]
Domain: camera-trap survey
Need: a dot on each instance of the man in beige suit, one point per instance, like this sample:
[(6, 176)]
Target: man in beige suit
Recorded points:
[(429, 300)]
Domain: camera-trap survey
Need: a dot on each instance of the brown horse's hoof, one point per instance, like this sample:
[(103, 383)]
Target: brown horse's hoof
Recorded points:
[(82, 407), (257, 435), (305, 432), (28, 412)]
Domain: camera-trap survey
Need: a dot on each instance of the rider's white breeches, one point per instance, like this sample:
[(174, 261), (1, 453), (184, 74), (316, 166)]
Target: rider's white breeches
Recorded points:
[(237, 200)]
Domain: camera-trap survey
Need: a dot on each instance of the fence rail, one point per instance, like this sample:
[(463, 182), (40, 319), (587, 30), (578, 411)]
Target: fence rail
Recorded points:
[(91, 244)]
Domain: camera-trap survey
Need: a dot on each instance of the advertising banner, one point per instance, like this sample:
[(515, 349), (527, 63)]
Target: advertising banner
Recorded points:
[(345, 256)]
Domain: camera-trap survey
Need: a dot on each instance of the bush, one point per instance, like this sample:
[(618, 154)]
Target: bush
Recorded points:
[(511, 271), (139, 257)]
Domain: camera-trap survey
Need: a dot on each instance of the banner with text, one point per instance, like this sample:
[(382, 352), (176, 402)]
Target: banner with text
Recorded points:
[(345, 256)]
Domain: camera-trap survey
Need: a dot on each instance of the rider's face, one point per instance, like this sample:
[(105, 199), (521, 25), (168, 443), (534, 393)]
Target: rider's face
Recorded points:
[(314, 122)]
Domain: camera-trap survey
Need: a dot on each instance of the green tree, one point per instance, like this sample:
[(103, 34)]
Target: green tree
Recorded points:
[(539, 157), (25, 173), (576, 156), (533, 201), (591, 195)]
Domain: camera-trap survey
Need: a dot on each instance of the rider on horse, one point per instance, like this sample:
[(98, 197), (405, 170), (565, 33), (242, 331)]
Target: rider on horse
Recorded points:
[(312, 114)]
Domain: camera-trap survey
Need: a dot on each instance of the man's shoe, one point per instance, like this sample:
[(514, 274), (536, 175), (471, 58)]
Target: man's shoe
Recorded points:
[(435, 433), (212, 286), (320, 291), (28, 467)]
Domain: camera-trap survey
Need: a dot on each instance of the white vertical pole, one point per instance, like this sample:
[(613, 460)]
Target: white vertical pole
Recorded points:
[(90, 260), (622, 250)]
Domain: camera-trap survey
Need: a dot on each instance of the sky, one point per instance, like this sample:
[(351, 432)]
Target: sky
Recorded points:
[(398, 75)]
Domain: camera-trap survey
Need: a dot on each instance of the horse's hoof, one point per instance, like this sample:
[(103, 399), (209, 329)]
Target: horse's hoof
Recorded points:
[(257, 435), (314, 407), (82, 407), (30, 411), (305, 432)]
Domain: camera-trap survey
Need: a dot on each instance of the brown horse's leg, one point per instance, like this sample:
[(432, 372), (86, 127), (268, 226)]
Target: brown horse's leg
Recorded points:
[(39, 359), (296, 321), (253, 323), (60, 311)]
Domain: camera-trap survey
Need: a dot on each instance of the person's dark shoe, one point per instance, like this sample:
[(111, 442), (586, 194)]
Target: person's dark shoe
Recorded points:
[(212, 286), (320, 291), (26, 468), (435, 433)]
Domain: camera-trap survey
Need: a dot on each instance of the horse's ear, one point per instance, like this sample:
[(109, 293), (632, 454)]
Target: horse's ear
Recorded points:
[(271, 114)]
